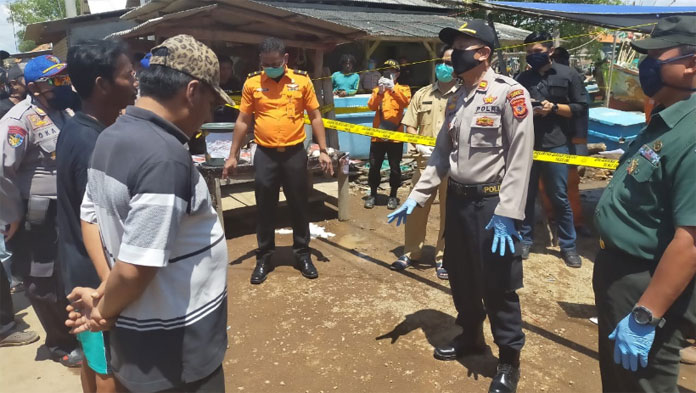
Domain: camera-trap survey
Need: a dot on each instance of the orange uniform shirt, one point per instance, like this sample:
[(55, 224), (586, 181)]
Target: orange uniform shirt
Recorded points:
[(391, 105), (278, 107)]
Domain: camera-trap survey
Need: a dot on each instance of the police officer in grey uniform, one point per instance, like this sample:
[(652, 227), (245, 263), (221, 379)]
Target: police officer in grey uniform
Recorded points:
[(28, 135), (485, 147)]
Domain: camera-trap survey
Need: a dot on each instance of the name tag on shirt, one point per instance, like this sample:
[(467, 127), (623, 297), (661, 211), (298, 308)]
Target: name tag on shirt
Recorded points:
[(649, 154)]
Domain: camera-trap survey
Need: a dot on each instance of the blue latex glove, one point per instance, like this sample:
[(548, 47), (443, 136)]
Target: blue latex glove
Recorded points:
[(632, 342), (403, 211), (504, 228)]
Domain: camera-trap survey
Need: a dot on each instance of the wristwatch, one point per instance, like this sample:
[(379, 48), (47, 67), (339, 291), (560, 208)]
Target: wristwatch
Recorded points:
[(643, 316), (323, 151), (554, 108)]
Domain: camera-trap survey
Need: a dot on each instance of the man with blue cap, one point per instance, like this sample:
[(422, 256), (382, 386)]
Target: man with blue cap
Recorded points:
[(28, 135)]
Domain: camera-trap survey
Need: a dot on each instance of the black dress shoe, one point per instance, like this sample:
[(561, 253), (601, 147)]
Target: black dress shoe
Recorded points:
[(461, 346), (506, 379), (306, 267), (263, 267), (571, 258)]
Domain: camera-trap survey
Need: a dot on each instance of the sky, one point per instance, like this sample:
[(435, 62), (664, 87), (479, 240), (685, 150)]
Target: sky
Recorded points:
[(7, 40)]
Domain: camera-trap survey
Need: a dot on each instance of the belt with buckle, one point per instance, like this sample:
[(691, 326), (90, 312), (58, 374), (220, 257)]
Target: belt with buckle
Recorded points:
[(282, 149), (473, 191)]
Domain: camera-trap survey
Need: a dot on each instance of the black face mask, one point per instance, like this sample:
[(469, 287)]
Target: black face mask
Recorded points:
[(463, 60), (63, 98)]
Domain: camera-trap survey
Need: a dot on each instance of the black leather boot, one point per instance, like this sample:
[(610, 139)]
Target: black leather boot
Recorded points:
[(306, 267), (462, 345), (263, 267), (508, 374)]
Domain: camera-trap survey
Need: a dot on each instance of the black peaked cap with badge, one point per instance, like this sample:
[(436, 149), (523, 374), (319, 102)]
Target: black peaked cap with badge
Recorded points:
[(475, 28), (669, 32)]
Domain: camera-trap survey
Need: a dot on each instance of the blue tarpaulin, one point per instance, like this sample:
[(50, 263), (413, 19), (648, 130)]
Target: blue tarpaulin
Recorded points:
[(636, 18)]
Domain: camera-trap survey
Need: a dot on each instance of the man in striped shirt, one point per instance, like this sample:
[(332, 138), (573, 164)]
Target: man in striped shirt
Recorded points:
[(165, 300)]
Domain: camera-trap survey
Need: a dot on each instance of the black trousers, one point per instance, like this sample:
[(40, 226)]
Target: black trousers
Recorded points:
[(394, 152), (6, 306), (619, 281), (213, 383), (482, 283), (46, 294), (289, 169)]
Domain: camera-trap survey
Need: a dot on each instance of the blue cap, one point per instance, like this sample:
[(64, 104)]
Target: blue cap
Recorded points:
[(42, 67), (145, 61)]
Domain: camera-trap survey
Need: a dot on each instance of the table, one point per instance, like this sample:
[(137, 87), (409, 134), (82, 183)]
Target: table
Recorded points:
[(245, 174)]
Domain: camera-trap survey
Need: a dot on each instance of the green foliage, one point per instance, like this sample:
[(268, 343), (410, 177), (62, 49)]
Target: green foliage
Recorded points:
[(26, 12), (26, 45)]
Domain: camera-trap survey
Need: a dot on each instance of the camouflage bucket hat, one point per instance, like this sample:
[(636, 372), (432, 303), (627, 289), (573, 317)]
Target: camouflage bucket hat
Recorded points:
[(190, 56)]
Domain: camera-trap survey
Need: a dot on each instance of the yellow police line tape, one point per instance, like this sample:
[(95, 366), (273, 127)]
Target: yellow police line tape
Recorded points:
[(558, 158), (340, 111), (568, 159)]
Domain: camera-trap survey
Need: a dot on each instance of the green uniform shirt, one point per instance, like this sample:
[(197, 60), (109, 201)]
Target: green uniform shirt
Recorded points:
[(654, 189)]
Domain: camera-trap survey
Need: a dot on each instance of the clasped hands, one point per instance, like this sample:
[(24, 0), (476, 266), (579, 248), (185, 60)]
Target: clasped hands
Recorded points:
[(83, 311)]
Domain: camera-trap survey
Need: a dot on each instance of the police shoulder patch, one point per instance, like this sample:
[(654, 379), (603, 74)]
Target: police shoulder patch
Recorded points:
[(300, 72), (16, 136), (515, 93), (519, 107), (254, 74)]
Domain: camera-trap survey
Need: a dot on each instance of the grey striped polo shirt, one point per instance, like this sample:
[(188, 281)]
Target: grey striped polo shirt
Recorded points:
[(154, 209)]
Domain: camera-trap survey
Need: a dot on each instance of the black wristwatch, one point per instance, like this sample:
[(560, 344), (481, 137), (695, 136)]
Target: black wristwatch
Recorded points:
[(643, 316), (554, 108)]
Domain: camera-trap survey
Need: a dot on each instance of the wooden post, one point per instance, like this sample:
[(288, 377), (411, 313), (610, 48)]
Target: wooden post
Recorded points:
[(327, 87), (324, 91), (343, 192), (370, 49), (432, 54), (611, 71)]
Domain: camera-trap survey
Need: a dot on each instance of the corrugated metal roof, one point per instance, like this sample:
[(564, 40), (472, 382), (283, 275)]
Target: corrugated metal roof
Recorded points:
[(377, 3), (155, 21), (393, 24)]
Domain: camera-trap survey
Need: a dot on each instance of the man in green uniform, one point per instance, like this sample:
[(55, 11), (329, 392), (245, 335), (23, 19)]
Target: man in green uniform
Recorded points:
[(644, 273)]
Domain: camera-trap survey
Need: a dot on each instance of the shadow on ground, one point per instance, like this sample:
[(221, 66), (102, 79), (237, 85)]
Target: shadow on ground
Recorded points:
[(439, 329)]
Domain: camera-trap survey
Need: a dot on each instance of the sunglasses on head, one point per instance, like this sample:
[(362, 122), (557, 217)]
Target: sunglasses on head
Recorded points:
[(58, 80)]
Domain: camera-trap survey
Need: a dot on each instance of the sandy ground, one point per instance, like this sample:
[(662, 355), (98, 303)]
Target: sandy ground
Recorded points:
[(361, 327)]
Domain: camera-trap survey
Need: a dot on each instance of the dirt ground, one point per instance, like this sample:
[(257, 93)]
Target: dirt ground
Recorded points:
[(361, 327)]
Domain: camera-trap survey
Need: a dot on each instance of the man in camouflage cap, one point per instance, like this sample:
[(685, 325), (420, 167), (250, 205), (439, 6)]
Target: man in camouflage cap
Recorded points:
[(165, 299)]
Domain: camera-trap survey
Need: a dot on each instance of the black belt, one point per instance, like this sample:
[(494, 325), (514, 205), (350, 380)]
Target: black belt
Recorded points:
[(473, 191), (282, 149)]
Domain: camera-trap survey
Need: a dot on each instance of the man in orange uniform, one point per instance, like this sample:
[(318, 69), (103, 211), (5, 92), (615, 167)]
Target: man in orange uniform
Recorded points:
[(276, 99), (389, 99)]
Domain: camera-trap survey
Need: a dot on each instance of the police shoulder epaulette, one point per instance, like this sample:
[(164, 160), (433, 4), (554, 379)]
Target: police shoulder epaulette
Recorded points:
[(506, 80), (300, 72), (254, 74)]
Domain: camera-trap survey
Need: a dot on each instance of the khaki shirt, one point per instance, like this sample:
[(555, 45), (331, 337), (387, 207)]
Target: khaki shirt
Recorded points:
[(487, 137), (426, 112), (28, 137)]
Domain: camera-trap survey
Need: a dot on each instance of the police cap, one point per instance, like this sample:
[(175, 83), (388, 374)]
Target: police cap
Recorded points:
[(475, 28)]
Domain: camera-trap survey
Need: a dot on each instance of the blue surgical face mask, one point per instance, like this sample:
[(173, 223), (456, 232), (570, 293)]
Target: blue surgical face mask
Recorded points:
[(650, 75), (538, 60), (274, 72), (443, 72)]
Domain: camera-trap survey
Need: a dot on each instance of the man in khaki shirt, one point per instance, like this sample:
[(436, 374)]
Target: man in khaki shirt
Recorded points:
[(425, 116), (485, 146)]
